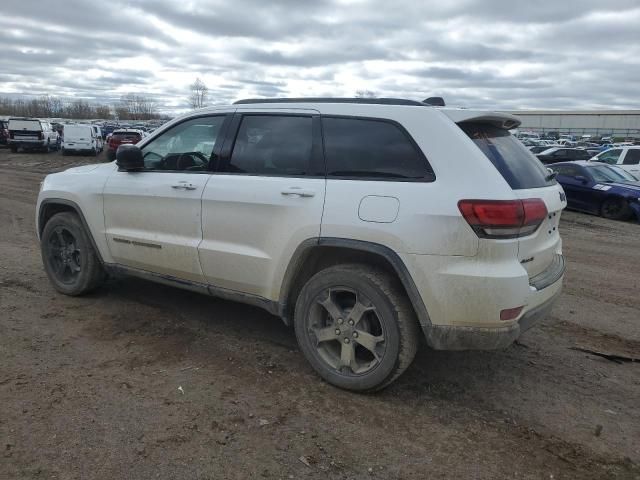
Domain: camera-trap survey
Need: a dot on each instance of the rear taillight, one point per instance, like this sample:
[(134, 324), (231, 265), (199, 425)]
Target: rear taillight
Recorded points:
[(503, 218)]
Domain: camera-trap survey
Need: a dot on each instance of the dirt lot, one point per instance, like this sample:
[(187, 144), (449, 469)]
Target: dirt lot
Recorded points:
[(89, 387)]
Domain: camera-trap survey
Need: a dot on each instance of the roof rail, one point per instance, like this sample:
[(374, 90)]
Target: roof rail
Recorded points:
[(373, 101)]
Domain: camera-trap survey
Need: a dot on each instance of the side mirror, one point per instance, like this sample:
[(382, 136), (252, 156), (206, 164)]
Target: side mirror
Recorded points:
[(581, 179), (129, 158)]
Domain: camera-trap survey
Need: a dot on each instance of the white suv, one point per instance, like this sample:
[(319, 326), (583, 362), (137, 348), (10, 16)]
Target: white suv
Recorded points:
[(361, 222), (627, 157), (32, 134)]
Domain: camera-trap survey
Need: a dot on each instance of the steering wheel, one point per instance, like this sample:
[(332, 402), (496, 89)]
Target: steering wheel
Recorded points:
[(190, 156)]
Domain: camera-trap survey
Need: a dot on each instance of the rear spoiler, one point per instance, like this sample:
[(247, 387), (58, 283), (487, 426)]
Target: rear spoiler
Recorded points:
[(500, 120)]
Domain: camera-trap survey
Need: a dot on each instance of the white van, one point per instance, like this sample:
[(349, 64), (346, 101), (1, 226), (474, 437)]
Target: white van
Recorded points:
[(80, 138)]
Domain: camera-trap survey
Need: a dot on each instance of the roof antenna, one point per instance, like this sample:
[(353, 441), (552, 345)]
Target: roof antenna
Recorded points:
[(434, 101)]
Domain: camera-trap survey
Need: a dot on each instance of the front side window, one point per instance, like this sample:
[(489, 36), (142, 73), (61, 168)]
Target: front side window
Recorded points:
[(187, 146), (610, 156), (277, 145), (371, 149), (632, 157)]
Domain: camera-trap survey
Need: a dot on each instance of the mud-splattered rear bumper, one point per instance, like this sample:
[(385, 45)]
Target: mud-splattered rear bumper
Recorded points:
[(445, 337)]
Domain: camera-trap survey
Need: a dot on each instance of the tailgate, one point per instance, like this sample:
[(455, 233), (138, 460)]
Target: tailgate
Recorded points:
[(536, 252)]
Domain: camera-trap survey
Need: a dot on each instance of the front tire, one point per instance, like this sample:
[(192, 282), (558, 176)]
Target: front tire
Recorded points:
[(69, 258), (356, 327)]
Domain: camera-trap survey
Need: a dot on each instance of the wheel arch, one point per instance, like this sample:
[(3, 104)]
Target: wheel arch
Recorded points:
[(315, 254), (51, 206)]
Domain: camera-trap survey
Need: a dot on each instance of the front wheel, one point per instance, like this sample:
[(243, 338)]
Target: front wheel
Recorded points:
[(356, 327), (616, 208), (70, 261)]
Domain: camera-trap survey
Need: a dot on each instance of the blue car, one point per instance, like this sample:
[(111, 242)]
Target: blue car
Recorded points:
[(599, 188)]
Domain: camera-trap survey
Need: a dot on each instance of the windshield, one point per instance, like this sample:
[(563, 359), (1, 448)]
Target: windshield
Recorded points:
[(606, 173), (515, 163)]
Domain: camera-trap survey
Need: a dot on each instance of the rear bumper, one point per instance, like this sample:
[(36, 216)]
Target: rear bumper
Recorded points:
[(444, 337), (464, 315), (28, 143)]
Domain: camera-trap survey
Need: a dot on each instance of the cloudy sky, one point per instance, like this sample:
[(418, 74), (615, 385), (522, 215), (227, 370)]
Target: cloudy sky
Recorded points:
[(475, 53)]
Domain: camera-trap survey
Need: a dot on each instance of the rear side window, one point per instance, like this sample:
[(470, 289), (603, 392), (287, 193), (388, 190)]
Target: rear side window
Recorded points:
[(372, 149), (515, 163), (632, 157), (273, 145)]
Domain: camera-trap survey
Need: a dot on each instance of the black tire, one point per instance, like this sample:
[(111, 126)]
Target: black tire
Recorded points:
[(615, 208), (385, 318), (14, 149), (68, 256)]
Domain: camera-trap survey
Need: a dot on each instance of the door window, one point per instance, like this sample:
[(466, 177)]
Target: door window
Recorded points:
[(632, 157), (566, 170), (187, 146), (272, 145), (610, 156), (372, 149)]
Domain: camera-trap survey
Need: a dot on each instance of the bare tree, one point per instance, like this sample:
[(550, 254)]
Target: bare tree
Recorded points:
[(198, 96)]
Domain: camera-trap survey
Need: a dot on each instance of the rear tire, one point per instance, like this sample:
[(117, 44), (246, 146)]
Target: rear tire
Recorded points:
[(615, 208), (71, 263), (356, 327), (14, 149)]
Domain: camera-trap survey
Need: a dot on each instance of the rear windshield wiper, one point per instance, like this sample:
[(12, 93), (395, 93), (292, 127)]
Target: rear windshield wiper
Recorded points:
[(551, 176)]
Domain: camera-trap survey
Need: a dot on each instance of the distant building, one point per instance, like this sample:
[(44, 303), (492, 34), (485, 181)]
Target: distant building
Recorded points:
[(617, 123)]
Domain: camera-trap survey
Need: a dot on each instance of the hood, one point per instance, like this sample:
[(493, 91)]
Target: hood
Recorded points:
[(83, 169)]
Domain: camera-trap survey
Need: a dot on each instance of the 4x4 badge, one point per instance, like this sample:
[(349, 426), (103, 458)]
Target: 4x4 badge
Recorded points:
[(563, 197)]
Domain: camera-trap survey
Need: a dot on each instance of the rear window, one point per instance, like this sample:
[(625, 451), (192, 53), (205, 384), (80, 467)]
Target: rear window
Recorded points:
[(515, 163), (31, 125), (131, 136)]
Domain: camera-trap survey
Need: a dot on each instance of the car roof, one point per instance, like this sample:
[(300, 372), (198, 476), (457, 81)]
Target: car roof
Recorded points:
[(325, 105)]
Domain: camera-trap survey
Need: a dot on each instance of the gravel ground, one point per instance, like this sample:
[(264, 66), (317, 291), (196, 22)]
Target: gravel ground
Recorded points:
[(139, 380)]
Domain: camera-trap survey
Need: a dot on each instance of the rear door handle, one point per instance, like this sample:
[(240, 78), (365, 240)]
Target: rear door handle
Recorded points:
[(184, 186), (299, 192)]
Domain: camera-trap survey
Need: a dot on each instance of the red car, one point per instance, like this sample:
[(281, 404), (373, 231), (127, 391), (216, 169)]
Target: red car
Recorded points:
[(122, 136)]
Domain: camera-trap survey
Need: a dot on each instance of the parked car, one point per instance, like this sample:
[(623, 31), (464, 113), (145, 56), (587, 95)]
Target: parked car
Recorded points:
[(562, 154), (345, 217), (627, 157), (538, 148), (599, 188), (122, 136), (4, 132), (80, 138), (108, 129), (98, 134), (32, 134)]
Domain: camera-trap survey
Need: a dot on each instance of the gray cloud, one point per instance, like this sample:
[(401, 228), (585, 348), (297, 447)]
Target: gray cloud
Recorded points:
[(498, 54)]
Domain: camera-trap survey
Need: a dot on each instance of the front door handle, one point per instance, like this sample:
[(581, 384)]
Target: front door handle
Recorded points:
[(184, 186), (299, 192)]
